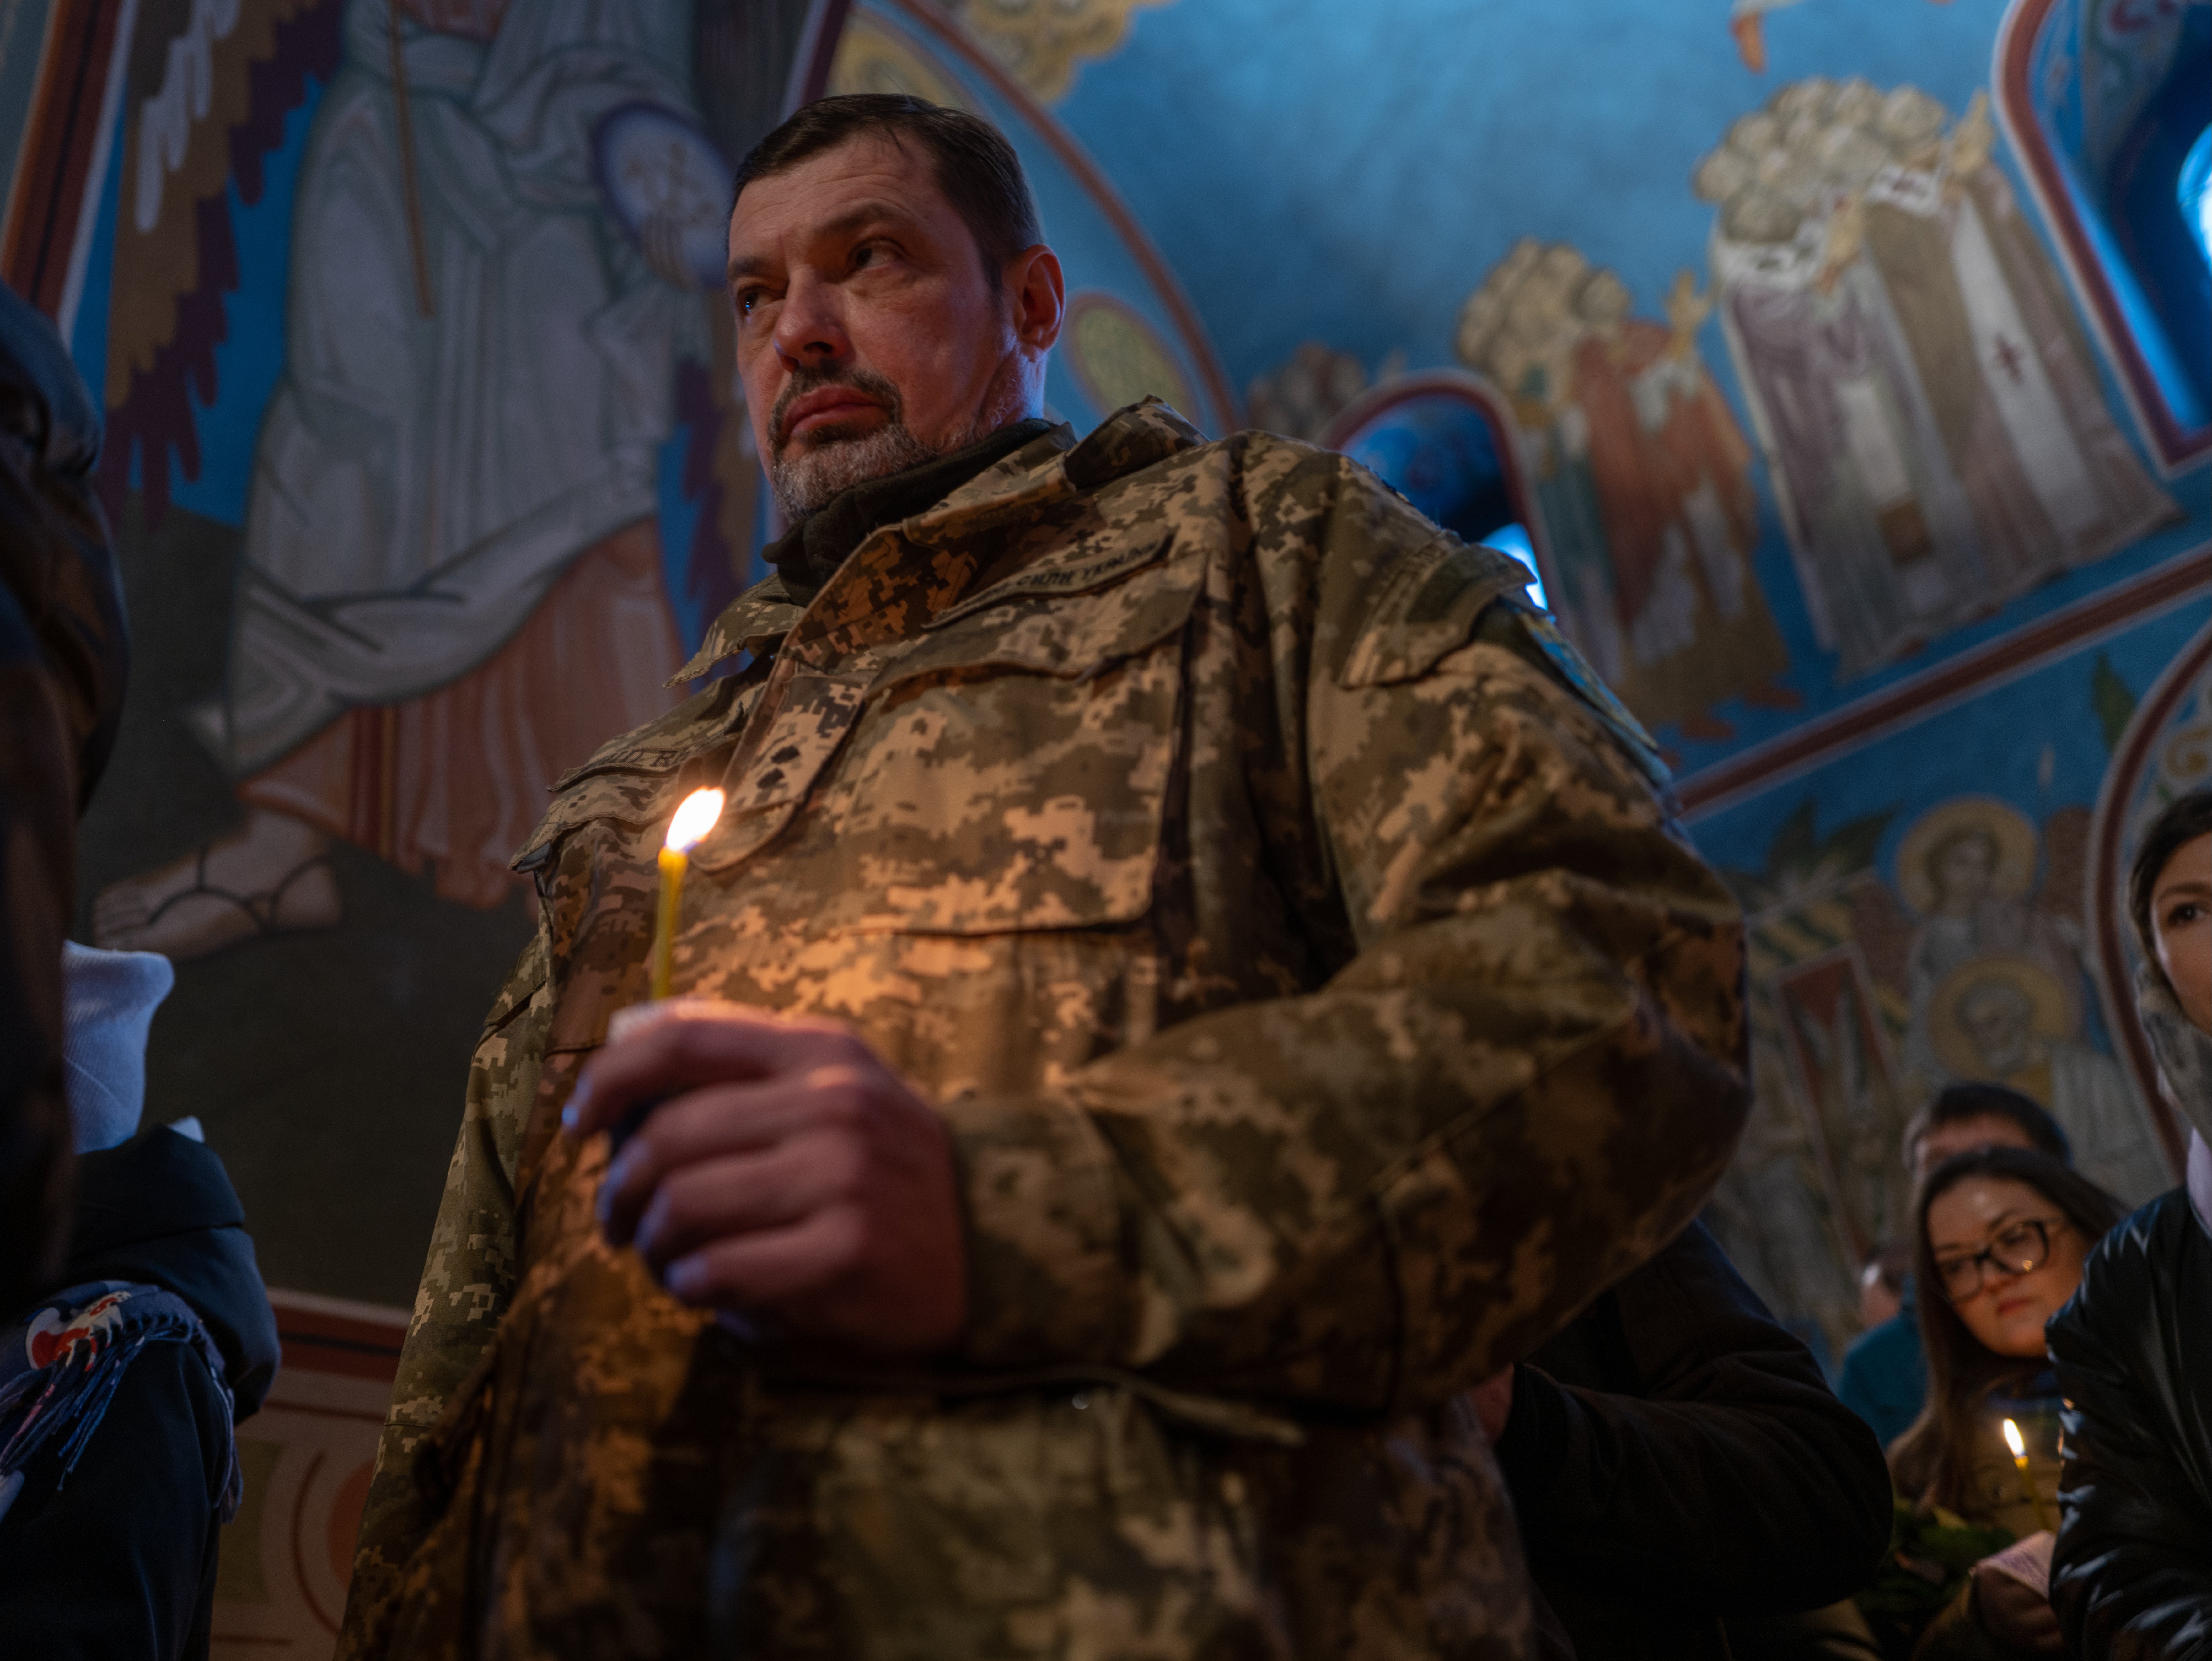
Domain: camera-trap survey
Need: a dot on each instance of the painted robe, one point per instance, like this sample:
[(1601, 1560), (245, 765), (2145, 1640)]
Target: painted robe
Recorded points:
[(452, 584)]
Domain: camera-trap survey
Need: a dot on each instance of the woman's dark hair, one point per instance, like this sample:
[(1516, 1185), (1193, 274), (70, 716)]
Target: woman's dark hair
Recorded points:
[(977, 168), (1933, 1461), (2185, 818)]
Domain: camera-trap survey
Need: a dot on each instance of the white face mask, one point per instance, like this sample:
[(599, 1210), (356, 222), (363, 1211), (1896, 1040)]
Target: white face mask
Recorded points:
[(108, 999), (2183, 1052)]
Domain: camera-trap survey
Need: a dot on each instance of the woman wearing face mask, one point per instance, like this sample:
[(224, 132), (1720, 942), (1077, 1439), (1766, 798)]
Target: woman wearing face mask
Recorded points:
[(1999, 1236), (2131, 1577)]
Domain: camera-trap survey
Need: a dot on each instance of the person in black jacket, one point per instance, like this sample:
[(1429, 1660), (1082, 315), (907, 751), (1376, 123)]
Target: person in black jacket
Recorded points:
[(2131, 1574), (1678, 1462), (63, 660), (110, 1504)]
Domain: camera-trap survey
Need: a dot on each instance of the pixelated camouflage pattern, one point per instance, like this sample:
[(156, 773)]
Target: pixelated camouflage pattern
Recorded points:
[(1323, 1011)]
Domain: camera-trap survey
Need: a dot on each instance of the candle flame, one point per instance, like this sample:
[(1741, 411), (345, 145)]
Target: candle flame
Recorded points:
[(2013, 1441), (694, 819)]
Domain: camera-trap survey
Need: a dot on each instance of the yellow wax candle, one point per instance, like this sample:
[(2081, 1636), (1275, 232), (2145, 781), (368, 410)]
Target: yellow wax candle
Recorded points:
[(2019, 1447), (693, 820)]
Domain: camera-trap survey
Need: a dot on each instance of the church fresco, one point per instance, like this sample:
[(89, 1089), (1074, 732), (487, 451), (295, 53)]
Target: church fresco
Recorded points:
[(505, 228), (1929, 411), (1638, 476), (1906, 934), (1043, 43)]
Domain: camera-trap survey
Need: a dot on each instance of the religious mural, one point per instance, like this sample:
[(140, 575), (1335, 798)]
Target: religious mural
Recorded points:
[(506, 226), (2098, 99), (1303, 395), (1639, 479), (1933, 424), (1042, 43), (1930, 941), (1748, 23)]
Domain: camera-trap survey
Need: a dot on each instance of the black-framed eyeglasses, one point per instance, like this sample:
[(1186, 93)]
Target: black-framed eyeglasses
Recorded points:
[(2022, 1249)]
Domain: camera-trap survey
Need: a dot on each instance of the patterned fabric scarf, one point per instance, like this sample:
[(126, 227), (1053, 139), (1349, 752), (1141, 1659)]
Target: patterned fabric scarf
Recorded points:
[(61, 1364)]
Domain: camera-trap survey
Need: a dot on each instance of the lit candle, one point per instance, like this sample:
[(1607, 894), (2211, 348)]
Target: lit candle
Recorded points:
[(693, 820), (2026, 1481)]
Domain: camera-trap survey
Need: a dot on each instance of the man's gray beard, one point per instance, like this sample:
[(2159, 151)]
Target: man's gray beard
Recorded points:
[(806, 483)]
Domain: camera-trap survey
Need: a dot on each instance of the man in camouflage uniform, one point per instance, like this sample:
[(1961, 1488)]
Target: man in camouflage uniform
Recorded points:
[(1193, 976)]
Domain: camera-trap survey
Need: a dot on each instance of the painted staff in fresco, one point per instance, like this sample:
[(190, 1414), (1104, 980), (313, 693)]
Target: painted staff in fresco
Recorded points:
[(452, 585), (1640, 473), (1927, 400)]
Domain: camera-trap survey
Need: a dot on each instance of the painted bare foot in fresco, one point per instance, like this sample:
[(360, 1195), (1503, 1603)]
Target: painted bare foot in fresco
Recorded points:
[(270, 877)]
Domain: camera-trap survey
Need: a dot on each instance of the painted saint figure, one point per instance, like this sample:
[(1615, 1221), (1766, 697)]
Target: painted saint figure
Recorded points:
[(1925, 396), (1966, 868), (452, 583), (2006, 1019), (1641, 478)]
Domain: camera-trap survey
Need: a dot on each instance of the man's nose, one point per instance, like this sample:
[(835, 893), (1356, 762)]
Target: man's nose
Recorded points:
[(809, 328)]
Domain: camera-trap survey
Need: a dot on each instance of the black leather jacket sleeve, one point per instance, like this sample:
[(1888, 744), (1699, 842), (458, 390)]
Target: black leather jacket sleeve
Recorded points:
[(1678, 1445), (2131, 1576)]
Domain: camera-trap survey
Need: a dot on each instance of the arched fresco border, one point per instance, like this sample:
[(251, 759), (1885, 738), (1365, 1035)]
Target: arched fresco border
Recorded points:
[(1198, 346), (1378, 400), (2186, 579), (818, 51), (2104, 902), (63, 153), (2175, 447)]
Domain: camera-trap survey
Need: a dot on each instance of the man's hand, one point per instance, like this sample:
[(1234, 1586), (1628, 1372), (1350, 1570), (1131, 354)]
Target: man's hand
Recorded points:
[(786, 1172)]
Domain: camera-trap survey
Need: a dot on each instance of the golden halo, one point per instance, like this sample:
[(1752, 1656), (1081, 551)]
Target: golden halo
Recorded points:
[(2057, 1015), (1118, 357), (2003, 824), (869, 59)]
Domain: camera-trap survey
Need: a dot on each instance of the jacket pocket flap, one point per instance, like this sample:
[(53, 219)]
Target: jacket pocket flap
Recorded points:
[(1053, 632), (771, 773), (631, 781)]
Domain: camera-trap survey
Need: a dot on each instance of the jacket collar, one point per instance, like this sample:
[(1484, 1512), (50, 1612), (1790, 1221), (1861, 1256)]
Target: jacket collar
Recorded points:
[(1049, 469)]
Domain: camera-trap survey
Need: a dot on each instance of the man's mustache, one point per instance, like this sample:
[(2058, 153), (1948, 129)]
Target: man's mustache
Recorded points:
[(804, 381)]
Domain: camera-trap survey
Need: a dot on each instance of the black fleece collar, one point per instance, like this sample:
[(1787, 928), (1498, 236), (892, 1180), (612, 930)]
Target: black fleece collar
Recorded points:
[(808, 555)]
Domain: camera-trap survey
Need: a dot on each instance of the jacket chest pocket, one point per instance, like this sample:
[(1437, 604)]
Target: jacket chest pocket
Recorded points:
[(1015, 772)]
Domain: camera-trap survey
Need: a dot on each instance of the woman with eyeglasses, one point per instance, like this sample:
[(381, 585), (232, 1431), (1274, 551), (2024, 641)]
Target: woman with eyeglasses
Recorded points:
[(2000, 1235)]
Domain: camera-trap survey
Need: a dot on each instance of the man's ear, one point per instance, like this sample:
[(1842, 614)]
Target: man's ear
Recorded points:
[(1039, 296)]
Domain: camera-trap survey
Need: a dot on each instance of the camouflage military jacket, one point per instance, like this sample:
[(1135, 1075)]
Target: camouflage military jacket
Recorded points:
[(1323, 1012)]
